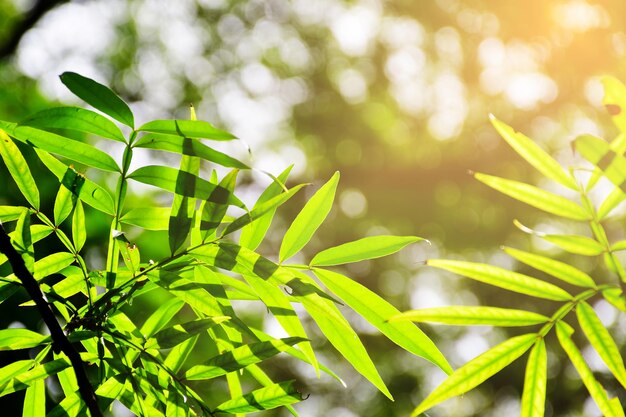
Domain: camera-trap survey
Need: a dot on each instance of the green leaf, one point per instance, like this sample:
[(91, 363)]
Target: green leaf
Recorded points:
[(499, 277), (130, 254), (534, 396), (266, 398), (596, 390), (177, 334), (10, 213), (610, 202), (161, 317), (362, 249), (52, 264), (12, 339), (33, 375), (99, 96), (461, 315), (599, 153), (19, 170), (188, 146), (179, 354), (557, 269), (88, 191), (179, 182), (72, 149), (35, 400), (149, 218), (23, 241), (614, 296), (240, 357), (377, 311), (253, 233), (533, 154), (75, 118), (79, 227), (214, 209), (536, 197), (309, 219), (187, 128), (477, 370), (580, 245), (63, 204), (601, 340)]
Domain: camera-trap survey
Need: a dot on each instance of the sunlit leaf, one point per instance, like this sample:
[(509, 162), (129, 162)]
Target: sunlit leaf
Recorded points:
[(72, 149), (178, 182), (188, 146), (534, 396), (52, 264), (79, 227), (149, 218), (11, 339), (214, 209), (75, 118), (561, 270), (477, 370), (536, 197), (35, 400), (614, 296), (610, 202), (187, 128), (309, 219), (159, 319), (253, 233), (462, 315), (599, 152), (596, 390), (601, 340), (18, 169), (99, 96), (175, 335), (533, 154), (240, 357), (37, 373), (362, 249), (23, 241), (580, 245), (377, 311), (87, 190), (179, 354), (63, 204), (503, 278), (266, 398), (10, 213)]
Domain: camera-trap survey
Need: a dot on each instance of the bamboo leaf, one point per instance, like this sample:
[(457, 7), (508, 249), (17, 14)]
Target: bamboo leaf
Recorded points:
[(580, 245), (179, 354), (52, 264), (266, 398), (161, 317), (177, 334), (377, 311), (499, 277), (601, 340), (614, 296), (79, 227), (534, 396), (557, 269), (149, 218), (99, 96), (72, 149), (19, 170), (63, 204), (88, 191), (461, 315), (533, 154), (240, 357), (12, 339), (477, 370), (23, 241), (253, 233), (309, 219), (75, 118), (35, 400), (610, 202), (10, 213), (367, 248), (187, 128), (596, 390), (214, 209), (179, 182), (536, 197), (188, 146), (607, 160)]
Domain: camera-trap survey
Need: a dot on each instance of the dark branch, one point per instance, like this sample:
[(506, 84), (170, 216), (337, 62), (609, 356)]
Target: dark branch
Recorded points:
[(59, 340), (40, 8)]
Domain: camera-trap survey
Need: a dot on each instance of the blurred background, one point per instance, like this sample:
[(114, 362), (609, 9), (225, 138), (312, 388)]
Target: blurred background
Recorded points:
[(394, 94)]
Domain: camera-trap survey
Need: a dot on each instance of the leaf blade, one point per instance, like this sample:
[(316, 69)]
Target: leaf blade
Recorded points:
[(266, 398), (367, 248), (187, 128), (535, 380), (18, 169), (462, 315)]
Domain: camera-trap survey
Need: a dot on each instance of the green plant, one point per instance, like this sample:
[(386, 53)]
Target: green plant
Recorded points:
[(572, 289), (97, 352)]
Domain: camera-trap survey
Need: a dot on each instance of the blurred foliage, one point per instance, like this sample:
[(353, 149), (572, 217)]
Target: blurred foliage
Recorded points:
[(395, 94)]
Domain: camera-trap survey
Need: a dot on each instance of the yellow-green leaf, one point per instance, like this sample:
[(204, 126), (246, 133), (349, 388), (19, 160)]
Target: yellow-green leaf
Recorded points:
[(499, 277), (614, 296), (79, 226), (362, 249), (580, 245), (19, 170), (52, 264), (534, 396), (35, 400), (266, 398), (601, 340), (12, 339), (187, 128), (462, 315), (561, 270), (477, 371), (309, 219), (149, 218), (533, 154), (536, 197)]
